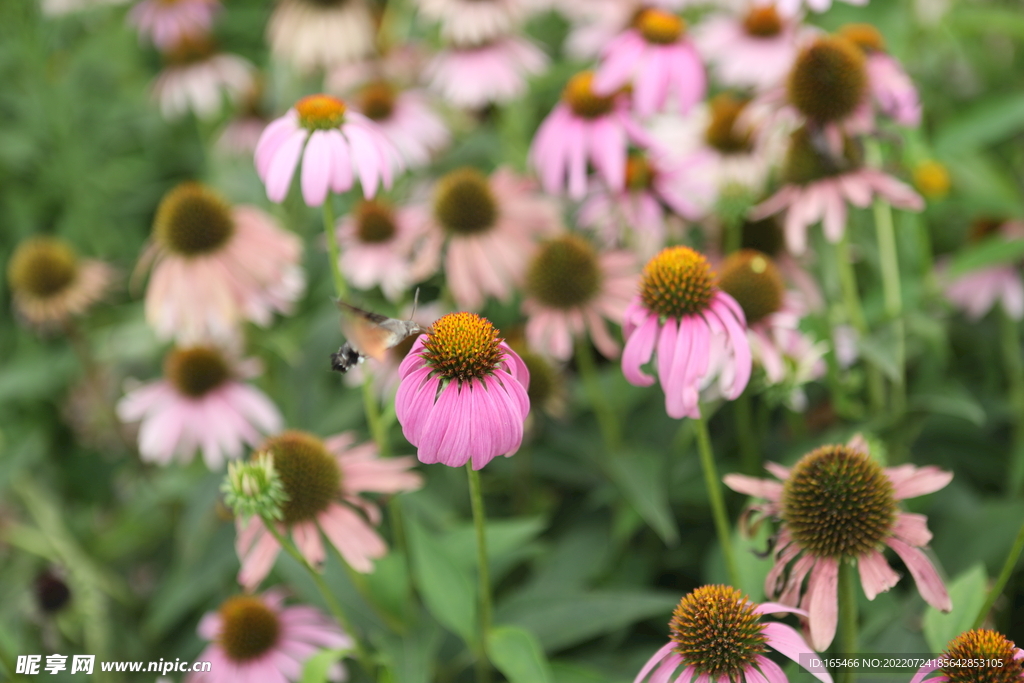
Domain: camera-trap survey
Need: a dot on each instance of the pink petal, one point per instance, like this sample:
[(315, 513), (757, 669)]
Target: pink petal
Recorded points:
[(876, 576), (910, 481), (282, 166), (912, 528), (638, 350), (654, 661), (435, 427), (822, 602), (752, 486), (786, 640), (316, 166), (929, 584), (925, 671), (366, 158), (771, 670), (341, 162)]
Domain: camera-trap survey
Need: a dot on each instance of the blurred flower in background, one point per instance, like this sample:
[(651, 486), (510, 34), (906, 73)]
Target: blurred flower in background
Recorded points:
[(196, 78), (976, 292), (167, 23), (492, 72), (321, 33)]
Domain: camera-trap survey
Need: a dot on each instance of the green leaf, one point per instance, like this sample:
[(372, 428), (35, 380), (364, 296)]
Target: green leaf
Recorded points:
[(411, 656), (640, 475), (566, 620), (445, 585), (987, 122), (880, 350), (949, 404), (316, 668), (992, 252), (507, 541), (967, 592), (517, 654)]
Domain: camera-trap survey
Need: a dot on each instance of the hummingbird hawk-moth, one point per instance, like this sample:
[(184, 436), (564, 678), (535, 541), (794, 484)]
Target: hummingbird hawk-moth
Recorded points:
[(369, 334)]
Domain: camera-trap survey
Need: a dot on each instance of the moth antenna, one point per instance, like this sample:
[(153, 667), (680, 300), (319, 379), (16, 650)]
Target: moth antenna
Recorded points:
[(415, 303)]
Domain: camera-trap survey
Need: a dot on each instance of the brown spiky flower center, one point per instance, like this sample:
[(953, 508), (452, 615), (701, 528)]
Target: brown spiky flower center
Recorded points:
[(865, 36), (248, 628), (763, 21), (193, 220), (197, 370), (752, 279), (993, 648), (828, 80), (838, 503), (677, 282), (463, 347), (580, 97), (639, 172), (309, 474), (464, 203), (722, 133), (660, 27), (375, 222), (565, 273), (718, 632), (42, 267), (189, 50), (320, 112), (377, 100)]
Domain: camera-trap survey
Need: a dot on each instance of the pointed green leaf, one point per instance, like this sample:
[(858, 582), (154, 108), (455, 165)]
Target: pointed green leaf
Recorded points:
[(517, 654), (445, 586), (967, 592)]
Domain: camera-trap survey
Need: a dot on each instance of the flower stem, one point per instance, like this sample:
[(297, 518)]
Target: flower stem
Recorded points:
[(607, 420), (332, 604), (855, 314), (483, 670), (1004, 576), (714, 486), (1014, 366), (891, 287), (371, 405), (750, 456), (847, 617), (333, 252)]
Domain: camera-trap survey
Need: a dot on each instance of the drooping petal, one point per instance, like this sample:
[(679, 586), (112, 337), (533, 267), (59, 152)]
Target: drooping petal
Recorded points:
[(638, 350), (910, 481), (822, 602), (662, 652), (929, 583), (786, 640), (876, 576)]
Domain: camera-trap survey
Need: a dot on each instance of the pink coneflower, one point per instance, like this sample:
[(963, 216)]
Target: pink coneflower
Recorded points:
[(256, 638), (828, 83), (657, 186), (217, 266), (717, 637), (241, 134), (386, 246), (585, 127), (571, 290), (788, 357), (321, 33), (196, 78), (658, 60), (323, 480), (406, 119), (791, 7), (495, 72), (199, 404), (490, 224), (837, 504), (819, 184), (891, 89), (755, 50), (50, 284), (342, 145), (168, 22), (462, 396), (998, 657), (696, 331), (978, 291), (476, 21)]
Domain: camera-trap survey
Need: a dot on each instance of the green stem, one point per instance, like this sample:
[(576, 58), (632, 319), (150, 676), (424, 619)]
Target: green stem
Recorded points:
[(893, 295), (607, 420), (847, 617), (1013, 363), (750, 456), (733, 235), (714, 485), (7, 663), (332, 604), (855, 314), (483, 670), (1004, 576), (333, 252), (378, 430)]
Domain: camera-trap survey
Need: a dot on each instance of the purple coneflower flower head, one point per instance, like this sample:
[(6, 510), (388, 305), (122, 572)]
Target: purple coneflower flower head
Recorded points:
[(336, 146), (490, 224), (792, 7), (821, 176), (216, 266), (323, 481), (571, 290), (837, 504), (978, 291), (257, 638), (718, 636), (585, 127), (892, 91), (1003, 660), (201, 403), (828, 82), (50, 284), (657, 58), (386, 246), (166, 22), (493, 72), (197, 78), (695, 331), (462, 396), (406, 119), (321, 33)]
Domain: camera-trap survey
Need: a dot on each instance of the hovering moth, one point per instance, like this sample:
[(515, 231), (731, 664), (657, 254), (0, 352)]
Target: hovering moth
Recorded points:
[(369, 334)]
